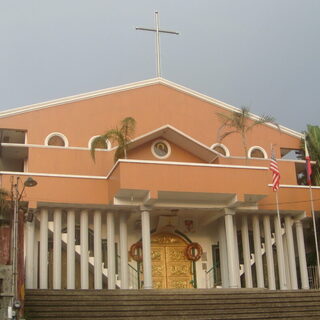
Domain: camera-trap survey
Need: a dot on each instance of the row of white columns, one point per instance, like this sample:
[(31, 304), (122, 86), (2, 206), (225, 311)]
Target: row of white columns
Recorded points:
[(229, 258), (228, 250), (84, 256)]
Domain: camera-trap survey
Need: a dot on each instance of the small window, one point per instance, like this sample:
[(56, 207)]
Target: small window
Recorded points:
[(56, 139), (221, 148), (161, 149), (101, 145), (257, 152)]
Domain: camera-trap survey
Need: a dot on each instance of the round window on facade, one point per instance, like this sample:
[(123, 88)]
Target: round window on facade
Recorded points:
[(221, 148), (257, 152), (161, 149), (56, 139)]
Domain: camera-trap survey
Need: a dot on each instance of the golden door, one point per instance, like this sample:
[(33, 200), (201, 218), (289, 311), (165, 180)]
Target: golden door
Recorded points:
[(170, 267)]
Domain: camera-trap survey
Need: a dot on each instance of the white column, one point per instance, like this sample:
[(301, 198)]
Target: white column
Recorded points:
[(57, 216), (257, 251), (97, 250), (111, 251), (230, 247), (36, 258), (84, 257), (71, 238), (43, 270), (280, 255), (146, 249), (291, 253), (269, 253), (302, 255), (286, 262), (124, 251), (30, 255), (246, 252), (223, 255), (236, 254)]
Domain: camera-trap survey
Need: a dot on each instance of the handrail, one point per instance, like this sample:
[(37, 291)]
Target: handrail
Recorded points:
[(134, 274), (211, 276), (213, 267)]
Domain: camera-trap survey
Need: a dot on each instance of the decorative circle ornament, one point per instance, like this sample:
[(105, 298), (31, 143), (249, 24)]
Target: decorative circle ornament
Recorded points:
[(161, 149), (134, 251), (193, 251)]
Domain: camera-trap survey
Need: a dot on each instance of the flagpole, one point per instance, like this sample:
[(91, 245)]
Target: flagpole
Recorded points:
[(284, 284), (315, 232)]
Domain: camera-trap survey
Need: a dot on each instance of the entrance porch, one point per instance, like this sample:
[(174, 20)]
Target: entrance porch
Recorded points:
[(89, 248)]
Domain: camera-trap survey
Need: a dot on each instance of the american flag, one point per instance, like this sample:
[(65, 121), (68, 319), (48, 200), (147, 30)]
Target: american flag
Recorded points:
[(275, 172)]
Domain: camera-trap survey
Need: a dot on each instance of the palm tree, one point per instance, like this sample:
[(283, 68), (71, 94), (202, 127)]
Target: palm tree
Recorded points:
[(312, 135), (122, 136), (240, 122)]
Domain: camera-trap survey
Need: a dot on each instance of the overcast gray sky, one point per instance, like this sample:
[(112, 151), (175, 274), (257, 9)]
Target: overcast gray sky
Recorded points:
[(264, 54)]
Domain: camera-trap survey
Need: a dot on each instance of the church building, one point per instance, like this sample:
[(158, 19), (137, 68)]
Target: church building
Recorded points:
[(183, 209)]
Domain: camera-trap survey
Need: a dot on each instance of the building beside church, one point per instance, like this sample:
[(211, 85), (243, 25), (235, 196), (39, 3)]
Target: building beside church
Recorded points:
[(183, 210)]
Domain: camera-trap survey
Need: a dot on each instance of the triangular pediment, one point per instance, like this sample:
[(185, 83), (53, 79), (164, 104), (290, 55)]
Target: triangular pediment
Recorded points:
[(178, 138)]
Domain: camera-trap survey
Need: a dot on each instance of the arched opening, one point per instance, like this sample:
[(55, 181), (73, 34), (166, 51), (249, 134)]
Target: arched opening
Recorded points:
[(257, 152), (221, 148), (56, 139), (104, 145)]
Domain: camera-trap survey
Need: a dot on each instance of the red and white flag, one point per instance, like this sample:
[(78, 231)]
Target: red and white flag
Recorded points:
[(308, 163), (275, 172)]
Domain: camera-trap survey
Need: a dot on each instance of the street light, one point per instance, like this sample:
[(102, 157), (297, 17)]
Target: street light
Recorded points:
[(16, 197)]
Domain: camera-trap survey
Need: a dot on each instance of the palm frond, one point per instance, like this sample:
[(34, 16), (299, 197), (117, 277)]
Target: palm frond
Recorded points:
[(226, 134), (98, 143), (115, 135), (128, 126), (224, 117), (240, 122), (262, 120), (121, 136)]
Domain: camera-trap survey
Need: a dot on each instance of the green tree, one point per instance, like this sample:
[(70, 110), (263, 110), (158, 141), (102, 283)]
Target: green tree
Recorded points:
[(312, 135), (120, 135), (240, 122), (4, 203)]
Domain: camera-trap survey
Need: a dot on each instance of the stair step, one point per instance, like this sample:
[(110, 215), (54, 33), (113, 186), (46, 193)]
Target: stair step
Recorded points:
[(200, 304)]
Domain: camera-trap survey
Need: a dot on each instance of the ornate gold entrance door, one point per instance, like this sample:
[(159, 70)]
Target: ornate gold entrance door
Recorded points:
[(170, 267)]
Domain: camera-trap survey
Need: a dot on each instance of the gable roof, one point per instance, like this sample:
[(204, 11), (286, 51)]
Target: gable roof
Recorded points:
[(131, 86), (179, 138)]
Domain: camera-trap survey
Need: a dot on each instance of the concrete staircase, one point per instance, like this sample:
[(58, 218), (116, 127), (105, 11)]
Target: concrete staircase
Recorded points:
[(188, 304)]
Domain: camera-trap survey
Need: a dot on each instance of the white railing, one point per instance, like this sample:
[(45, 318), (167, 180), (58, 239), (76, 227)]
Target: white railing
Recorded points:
[(211, 278), (133, 276)]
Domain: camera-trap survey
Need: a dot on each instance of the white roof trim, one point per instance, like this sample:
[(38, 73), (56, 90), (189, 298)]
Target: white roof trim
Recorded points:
[(134, 85)]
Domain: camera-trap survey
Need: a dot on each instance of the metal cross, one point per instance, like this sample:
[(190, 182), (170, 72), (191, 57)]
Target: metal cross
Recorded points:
[(157, 31)]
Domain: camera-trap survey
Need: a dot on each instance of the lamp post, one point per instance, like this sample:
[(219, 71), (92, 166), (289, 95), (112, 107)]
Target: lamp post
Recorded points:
[(16, 197)]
